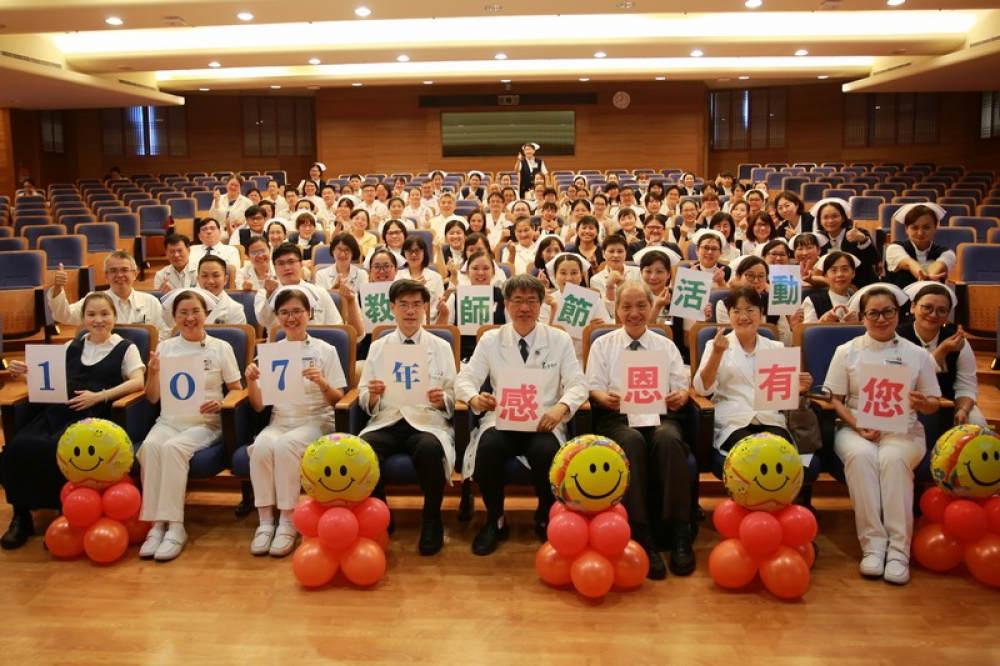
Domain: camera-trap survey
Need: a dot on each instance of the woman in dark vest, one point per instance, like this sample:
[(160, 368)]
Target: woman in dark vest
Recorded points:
[(528, 167), (831, 305), (931, 304), (918, 257), (834, 217), (101, 367)]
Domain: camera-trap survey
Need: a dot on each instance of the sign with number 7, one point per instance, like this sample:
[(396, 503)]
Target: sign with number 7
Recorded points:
[(281, 380)]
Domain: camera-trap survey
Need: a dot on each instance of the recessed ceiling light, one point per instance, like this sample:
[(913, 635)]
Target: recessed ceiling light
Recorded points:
[(744, 78), (356, 85), (312, 87), (823, 77), (114, 20), (493, 8), (204, 89), (895, 3), (500, 56), (697, 53), (245, 16), (584, 79), (428, 83), (403, 58), (215, 63), (753, 4), (802, 52), (600, 54), (314, 61), (504, 80), (275, 87), (626, 5), (661, 78), (363, 12)]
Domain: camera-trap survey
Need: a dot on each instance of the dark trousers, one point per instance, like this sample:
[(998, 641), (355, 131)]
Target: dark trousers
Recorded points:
[(428, 457), (753, 429), (659, 479), (496, 447)]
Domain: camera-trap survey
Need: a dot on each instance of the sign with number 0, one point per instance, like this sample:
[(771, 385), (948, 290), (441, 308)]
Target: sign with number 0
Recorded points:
[(46, 373), (182, 385), (281, 380)]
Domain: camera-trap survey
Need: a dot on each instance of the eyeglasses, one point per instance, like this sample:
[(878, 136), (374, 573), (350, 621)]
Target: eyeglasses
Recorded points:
[(875, 315), (382, 268), (777, 255), (758, 277), (258, 253), (285, 314), (183, 314), (409, 307), (749, 312), (709, 248), (653, 227), (118, 271), (927, 309), (530, 302), (287, 262)]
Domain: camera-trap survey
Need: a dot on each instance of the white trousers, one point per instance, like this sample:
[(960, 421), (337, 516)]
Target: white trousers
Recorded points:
[(165, 456), (880, 480), (275, 457)]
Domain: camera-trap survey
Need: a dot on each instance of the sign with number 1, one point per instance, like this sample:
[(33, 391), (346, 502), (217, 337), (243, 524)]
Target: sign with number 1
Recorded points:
[(46, 373), (281, 380), (182, 385)]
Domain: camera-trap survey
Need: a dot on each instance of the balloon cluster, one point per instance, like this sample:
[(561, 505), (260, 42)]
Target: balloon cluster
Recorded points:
[(343, 528), (100, 504), (962, 514), (763, 534), (589, 540)]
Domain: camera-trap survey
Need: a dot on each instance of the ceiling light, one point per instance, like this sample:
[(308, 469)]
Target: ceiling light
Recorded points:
[(823, 77), (500, 56), (661, 78), (314, 61), (215, 63), (362, 12), (894, 3), (697, 53), (114, 20), (275, 87), (312, 87), (626, 5), (428, 83), (492, 8), (802, 52), (744, 78), (204, 89), (403, 58), (356, 85), (584, 79), (504, 80), (245, 16), (600, 54), (753, 4)]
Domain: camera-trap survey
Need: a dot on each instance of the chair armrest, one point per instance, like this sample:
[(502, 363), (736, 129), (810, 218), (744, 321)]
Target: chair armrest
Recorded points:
[(13, 393), (130, 399), (703, 427), (234, 398), (702, 403), (344, 410), (135, 415)]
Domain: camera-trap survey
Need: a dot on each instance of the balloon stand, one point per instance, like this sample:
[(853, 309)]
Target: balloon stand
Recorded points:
[(957, 530), (352, 540), (100, 523)]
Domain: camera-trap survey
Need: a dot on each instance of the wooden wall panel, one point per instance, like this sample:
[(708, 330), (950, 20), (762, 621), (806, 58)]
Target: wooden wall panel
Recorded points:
[(8, 168)]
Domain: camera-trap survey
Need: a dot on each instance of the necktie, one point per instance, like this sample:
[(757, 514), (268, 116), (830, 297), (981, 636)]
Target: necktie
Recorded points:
[(208, 251), (634, 345), (408, 341), (524, 349)]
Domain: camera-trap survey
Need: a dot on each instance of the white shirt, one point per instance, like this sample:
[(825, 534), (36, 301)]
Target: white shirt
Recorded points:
[(523, 259), (438, 223), (138, 308), (604, 367), (315, 353), (248, 274), (324, 313), (600, 283), (432, 280), (325, 277), (223, 210), (176, 279), (229, 253), (375, 209), (809, 314), (220, 367)]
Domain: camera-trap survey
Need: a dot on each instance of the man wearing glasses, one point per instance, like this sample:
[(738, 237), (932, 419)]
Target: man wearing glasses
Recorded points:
[(654, 229), (522, 342), (253, 225), (131, 306), (210, 235)]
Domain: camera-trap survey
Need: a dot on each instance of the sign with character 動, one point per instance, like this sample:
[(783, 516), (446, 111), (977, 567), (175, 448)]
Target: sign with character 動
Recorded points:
[(785, 297)]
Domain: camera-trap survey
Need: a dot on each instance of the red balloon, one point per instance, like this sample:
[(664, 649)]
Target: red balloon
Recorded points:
[(137, 529), (936, 549), (808, 553), (609, 534), (785, 574), (983, 559), (363, 563), (632, 567), (121, 501), (558, 507), (313, 565), (569, 533), (338, 528), (798, 526), (64, 540), (373, 517), (731, 565), (966, 520), (992, 509), (592, 574), (383, 541), (82, 507), (67, 488), (619, 509), (760, 532), (306, 517), (552, 567), (105, 541), (933, 502), (727, 518)]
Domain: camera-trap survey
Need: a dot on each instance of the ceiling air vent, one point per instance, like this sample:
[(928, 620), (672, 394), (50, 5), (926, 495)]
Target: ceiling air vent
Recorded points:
[(994, 38), (126, 82), (175, 21), (33, 61), (893, 68)]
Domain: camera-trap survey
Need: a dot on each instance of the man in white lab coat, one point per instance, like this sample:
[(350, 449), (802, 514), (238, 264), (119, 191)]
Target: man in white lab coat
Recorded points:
[(521, 343)]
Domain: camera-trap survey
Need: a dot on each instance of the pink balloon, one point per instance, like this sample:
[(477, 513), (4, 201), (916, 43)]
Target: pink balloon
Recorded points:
[(67, 488), (933, 503), (609, 534), (727, 518), (592, 574), (569, 533), (558, 507), (373, 517), (798, 526), (966, 520), (992, 509), (338, 528), (306, 517), (619, 509), (82, 507), (983, 560), (760, 532), (121, 501)]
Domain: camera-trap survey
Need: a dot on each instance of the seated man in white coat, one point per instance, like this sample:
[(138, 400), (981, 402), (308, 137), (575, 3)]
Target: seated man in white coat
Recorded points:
[(521, 343), (210, 235), (131, 306), (423, 431), (212, 277)]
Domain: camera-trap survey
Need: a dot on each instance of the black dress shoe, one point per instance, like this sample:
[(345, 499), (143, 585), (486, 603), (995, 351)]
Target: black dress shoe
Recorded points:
[(643, 536), (682, 560), (431, 536), (542, 531), (489, 538), (22, 528)]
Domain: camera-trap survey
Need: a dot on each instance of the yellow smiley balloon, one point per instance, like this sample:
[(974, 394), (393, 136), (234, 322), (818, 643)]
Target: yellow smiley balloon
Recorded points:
[(965, 462), (589, 474), (763, 472), (339, 470), (94, 453)]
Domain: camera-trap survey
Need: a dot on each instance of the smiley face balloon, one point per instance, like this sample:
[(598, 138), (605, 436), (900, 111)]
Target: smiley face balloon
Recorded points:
[(966, 462), (763, 472), (339, 470), (589, 474), (94, 453)]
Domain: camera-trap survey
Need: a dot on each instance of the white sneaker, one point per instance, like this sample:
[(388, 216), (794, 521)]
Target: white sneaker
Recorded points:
[(284, 541), (262, 540), (873, 564), (172, 545), (897, 572), (152, 542)]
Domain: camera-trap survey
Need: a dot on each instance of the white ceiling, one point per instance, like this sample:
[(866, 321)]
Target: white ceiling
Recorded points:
[(63, 54)]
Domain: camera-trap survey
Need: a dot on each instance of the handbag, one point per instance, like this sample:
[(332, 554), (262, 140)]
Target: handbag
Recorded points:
[(803, 423)]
